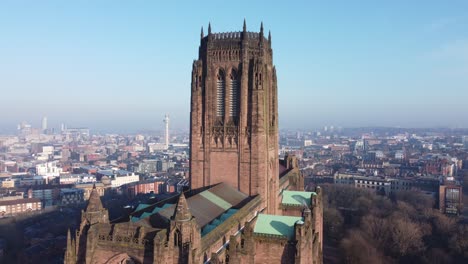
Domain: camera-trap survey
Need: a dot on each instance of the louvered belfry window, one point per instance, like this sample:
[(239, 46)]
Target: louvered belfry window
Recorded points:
[(220, 94), (234, 95)]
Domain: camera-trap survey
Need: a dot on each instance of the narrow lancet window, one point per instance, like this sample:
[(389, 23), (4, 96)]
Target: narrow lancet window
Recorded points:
[(234, 95), (220, 94)]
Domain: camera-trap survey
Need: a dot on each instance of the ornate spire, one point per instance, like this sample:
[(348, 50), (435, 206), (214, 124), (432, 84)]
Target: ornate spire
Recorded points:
[(260, 35), (244, 28), (209, 28), (201, 34), (182, 211), (269, 37), (94, 202)]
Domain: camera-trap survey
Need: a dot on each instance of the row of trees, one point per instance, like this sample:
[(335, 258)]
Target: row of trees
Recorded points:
[(403, 228)]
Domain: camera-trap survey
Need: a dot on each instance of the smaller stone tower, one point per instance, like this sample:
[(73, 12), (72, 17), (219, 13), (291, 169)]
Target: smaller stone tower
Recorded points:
[(184, 234), (81, 249)]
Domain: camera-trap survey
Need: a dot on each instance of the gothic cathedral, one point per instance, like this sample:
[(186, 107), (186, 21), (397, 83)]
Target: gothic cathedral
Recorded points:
[(245, 205)]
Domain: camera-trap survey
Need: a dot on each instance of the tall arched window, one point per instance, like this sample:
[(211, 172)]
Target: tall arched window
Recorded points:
[(234, 94), (220, 93)]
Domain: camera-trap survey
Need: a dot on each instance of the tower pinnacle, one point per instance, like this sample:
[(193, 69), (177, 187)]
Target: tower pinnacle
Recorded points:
[(209, 28), (201, 34), (94, 203), (244, 28), (182, 211)]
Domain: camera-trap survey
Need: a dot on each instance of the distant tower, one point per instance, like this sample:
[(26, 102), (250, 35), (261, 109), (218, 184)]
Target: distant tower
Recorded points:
[(166, 134), (465, 141), (44, 124)]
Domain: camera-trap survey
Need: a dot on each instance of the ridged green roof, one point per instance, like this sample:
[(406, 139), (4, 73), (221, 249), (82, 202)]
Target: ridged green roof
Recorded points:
[(216, 199), (216, 222), (141, 206), (297, 198), (276, 225), (146, 214)]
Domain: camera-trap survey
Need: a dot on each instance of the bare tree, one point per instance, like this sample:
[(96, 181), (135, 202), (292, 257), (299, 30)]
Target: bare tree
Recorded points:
[(406, 236), (459, 241), (333, 223), (357, 249)]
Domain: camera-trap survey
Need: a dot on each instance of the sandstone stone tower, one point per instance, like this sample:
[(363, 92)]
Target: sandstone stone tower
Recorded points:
[(234, 114)]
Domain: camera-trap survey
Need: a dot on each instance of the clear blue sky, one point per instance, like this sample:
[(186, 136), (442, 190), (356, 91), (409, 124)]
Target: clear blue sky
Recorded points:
[(121, 65)]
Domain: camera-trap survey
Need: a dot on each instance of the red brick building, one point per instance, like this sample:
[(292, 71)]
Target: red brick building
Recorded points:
[(143, 187)]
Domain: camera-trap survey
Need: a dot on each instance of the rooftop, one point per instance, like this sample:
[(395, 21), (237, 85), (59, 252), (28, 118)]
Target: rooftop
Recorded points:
[(20, 201), (297, 198), (210, 207), (276, 225)]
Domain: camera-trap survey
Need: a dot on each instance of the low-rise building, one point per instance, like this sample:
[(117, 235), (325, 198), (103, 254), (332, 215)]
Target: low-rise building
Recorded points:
[(19, 206), (48, 169), (71, 196), (88, 187), (77, 178), (147, 166), (10, 183), (32, 180), (374, 183), (47, 196), (119, 177), (450, 198), (69, 178), (148, 186)]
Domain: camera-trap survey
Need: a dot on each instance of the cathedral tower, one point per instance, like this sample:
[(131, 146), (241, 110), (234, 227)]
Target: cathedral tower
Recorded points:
[(234, 114)]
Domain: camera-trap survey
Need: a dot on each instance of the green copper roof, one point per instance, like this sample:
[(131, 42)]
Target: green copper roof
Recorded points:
[(215, 223), (297, 198), (216, 200), (146, 214), (276, 225), (141, 206)]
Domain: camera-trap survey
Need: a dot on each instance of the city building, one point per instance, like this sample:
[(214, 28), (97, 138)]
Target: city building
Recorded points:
[(88, 188), (32, 181), (386, 185), (48, 169), (10, 183), (122, 177), (450, 198), (71, 196), (14, 195), (142, 187), (19, 206), (147, 166), (236, 211), (76, 178), (47, 195), (69, 178)]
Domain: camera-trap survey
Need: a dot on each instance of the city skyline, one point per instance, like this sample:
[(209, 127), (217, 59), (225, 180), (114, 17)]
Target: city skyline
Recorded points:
[(122, 67)]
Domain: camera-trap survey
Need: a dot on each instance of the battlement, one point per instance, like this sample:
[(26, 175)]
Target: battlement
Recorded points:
[(236, 35), (227, 35)]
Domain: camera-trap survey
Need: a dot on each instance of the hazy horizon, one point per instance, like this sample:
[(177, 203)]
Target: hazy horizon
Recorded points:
[(121, 67)]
